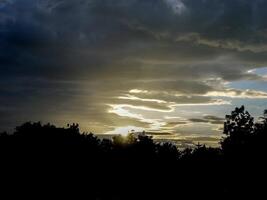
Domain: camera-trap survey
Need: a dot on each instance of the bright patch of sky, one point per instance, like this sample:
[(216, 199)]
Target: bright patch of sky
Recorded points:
[(124, 131), (252, 84)]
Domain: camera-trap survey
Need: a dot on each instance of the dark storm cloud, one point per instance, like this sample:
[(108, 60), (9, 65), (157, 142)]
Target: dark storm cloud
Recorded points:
[(92, 34), (64, 58)]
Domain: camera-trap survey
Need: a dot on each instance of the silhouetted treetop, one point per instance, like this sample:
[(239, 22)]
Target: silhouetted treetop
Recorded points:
[(239, 121), (135, 166)]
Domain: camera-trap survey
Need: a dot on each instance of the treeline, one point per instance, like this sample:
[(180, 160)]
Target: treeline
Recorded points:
[(43, 160)]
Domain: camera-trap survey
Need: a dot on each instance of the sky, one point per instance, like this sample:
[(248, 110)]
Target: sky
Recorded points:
[(173, 68)]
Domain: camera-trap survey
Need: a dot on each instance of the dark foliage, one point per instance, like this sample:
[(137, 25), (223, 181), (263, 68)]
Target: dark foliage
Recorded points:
[(44, 161)]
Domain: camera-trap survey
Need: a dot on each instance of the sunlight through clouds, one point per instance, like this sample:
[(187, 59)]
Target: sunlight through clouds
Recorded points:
[(158, 65)]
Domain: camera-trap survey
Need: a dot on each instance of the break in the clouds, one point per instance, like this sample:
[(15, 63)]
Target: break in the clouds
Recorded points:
[(165, 66), (177, 6)]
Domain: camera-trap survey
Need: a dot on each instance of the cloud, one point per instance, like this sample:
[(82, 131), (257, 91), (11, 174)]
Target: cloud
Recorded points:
[(235, 93), (188, 142), (232, 44), (70, 60), (214, 119), (177, 6), (3, 3), (208, 119)]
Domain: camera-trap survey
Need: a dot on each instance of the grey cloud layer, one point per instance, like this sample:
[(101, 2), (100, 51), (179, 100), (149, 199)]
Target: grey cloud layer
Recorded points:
[(69, 58)]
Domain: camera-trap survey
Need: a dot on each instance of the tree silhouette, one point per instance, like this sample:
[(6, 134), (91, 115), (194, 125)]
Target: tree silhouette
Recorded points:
[(239, 127), (42, 157)]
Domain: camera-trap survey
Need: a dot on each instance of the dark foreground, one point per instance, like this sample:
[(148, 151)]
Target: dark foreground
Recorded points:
[(42, 161)]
